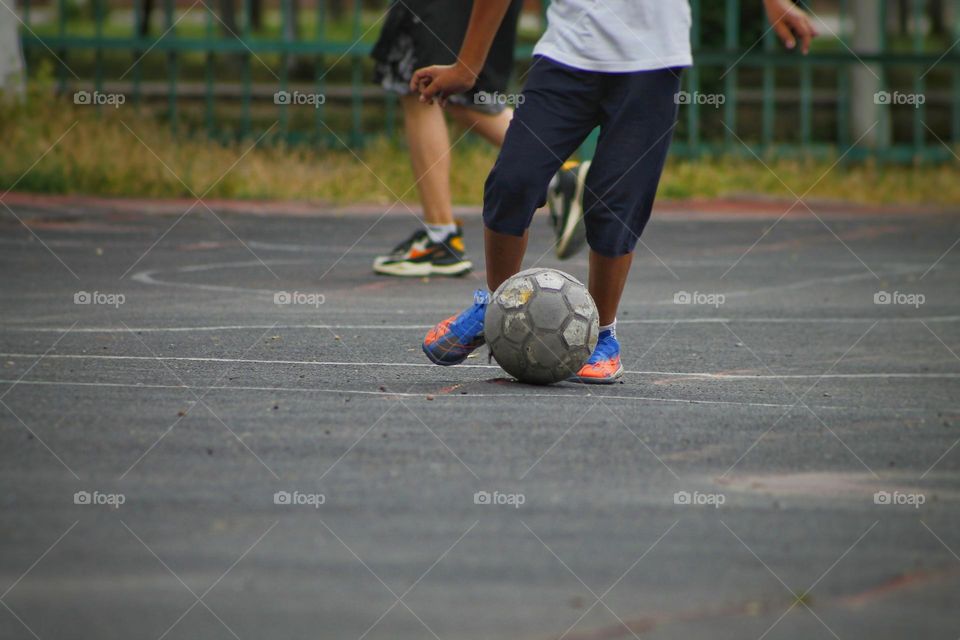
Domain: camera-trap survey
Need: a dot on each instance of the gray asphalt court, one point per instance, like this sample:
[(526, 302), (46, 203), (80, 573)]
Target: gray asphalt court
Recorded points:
[(222, 426)]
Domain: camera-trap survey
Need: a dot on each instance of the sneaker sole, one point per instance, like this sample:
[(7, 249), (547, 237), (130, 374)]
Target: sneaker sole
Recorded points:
[(608, 380), (419, 270), (575, 217)]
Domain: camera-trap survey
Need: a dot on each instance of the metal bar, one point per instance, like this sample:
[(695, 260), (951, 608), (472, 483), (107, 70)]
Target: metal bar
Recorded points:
[(98, 16), (356, 79), (62, 52), (138, 18), (919, 83), (693, 86), (173, 68), (955, 110), (209, 78), (732, 42), (769, 93), (319, 73), (843, 89), (245, 69), (285, 30), (806, 90)]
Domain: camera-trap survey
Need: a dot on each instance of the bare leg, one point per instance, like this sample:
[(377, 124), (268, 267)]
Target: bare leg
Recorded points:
[(504, 255), (491, 128), (607, 279), (429, 143)]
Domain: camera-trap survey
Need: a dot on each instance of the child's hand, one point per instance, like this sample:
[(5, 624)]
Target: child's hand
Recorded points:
[(790, 22), (441, 81)]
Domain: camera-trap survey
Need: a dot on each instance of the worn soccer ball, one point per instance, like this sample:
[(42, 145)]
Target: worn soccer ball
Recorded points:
[(542, 325)]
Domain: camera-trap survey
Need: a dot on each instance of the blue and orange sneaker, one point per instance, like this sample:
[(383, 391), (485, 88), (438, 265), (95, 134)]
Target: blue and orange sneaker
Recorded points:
[(451, 341), (604, 366)]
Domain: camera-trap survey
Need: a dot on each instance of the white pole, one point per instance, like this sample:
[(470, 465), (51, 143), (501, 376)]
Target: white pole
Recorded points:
[(11, 55), (867, 78)]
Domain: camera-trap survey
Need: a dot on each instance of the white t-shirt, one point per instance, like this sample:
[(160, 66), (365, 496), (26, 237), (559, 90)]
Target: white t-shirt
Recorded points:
[(618, 35)]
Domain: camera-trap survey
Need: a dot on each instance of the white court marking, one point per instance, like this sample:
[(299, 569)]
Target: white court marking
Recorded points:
[(422, 327), (440, 396), (148, 276), (333, 363)]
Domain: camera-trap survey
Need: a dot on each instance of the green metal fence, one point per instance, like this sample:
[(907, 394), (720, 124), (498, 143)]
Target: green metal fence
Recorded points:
[(216, 70)]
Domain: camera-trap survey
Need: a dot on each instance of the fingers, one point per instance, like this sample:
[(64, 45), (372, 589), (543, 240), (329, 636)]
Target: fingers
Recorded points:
[(420, 77), (805, 30), (792, 27), (785, 34)]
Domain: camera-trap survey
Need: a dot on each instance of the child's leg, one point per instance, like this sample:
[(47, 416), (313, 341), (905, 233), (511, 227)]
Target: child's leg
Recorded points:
[(491, 126), (607, 279), (429, 144), (560, 107), (504, 254), (638, 120)]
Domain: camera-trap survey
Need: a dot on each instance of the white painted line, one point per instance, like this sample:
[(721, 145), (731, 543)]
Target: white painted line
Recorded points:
[(423, 327), (699, 375), (440, 396)]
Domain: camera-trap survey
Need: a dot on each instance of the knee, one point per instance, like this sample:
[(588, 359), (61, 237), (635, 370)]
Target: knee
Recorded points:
[(511, 195)]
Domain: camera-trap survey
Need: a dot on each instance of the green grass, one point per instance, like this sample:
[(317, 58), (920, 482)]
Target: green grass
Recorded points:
[(100, 156)]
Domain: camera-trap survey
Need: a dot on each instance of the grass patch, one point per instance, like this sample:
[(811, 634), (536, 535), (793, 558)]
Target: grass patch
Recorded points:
[(100, 155)]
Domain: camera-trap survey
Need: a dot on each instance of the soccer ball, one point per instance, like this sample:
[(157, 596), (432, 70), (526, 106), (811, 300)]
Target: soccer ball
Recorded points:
[(542, 325)]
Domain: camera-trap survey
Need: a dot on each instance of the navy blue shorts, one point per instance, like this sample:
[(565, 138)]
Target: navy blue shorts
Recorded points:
[(636, 113)]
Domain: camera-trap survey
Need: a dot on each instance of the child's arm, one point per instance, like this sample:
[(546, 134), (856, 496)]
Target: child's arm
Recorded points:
[(790, 22), (440, 81)]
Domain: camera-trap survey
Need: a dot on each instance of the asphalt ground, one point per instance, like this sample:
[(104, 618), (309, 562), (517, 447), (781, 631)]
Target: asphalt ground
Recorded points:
[(780, 402)]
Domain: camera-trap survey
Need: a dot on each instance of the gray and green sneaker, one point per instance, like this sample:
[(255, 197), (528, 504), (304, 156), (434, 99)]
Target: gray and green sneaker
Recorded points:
[(565, 198)]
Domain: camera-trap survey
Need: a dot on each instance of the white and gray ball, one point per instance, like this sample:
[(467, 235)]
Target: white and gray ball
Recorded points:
[(542, 325)]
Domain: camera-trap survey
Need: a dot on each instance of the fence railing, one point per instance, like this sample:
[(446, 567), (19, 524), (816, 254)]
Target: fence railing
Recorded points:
[(235, 72)]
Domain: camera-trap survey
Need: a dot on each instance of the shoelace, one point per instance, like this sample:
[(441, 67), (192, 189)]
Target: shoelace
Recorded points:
[(403, 246)]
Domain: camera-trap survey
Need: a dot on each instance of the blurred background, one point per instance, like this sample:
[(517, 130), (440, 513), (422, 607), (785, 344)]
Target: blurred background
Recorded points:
[(197, 83)]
